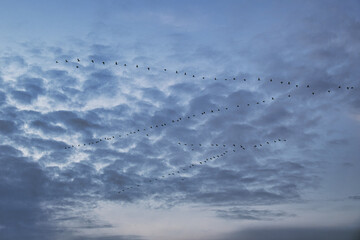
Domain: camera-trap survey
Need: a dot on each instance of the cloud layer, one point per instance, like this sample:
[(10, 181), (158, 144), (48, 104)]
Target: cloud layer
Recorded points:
[(77, 133)]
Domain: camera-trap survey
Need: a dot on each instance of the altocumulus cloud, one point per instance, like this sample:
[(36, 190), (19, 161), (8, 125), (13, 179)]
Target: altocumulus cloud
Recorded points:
[(48, 192)]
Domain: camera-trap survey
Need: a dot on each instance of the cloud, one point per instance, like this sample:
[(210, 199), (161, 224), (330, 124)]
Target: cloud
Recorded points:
[(47, 192), (115, 237), (33, 88), (354, 197), (22, 215), (7, 127), (46, 127), (252, 214), (295, 233)]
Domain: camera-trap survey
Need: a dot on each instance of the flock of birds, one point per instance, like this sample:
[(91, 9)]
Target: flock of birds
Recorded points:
[(233, 145), (185, 169), (147, 129), (193, 75)]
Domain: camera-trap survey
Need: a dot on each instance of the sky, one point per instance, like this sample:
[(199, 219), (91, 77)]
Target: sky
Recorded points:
[(179, 120)]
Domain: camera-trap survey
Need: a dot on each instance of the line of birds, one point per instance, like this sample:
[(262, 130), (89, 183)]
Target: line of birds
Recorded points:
[(173, 173), (184, 169), (200, 145), (193, 75), (173, 121)]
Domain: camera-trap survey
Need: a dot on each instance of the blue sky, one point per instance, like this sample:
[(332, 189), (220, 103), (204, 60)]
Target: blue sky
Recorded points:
[(305, 187)]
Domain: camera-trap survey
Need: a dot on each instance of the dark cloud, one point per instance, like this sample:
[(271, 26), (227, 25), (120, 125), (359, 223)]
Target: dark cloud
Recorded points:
[(21, 188), (17, 61), (7, 127), (101, 82), (22, 97), (9, 151), (354, 197), (295, 233), (46, 127), (28, 89), (115, 237), (2, 98), (252, 214)]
